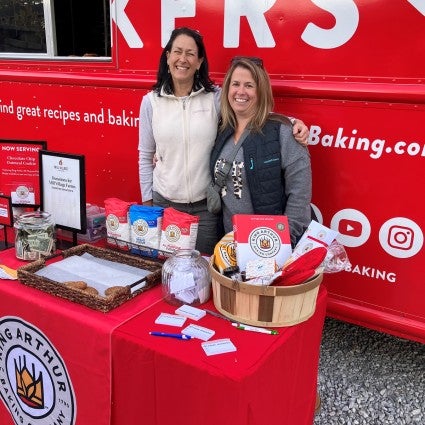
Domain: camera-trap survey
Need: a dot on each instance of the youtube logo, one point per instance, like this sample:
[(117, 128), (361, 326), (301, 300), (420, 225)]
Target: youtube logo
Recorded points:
[(350, 227), (353, 227)]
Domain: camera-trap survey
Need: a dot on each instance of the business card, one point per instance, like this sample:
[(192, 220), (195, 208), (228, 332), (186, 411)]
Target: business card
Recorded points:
[(199, 332), (191, 312), (170, 319), (218, 346)]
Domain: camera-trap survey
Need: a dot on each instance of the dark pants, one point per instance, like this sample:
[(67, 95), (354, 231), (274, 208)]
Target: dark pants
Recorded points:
[(208, 223)]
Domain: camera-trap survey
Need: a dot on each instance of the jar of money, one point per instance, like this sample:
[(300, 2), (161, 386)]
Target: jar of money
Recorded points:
[(35, 235)]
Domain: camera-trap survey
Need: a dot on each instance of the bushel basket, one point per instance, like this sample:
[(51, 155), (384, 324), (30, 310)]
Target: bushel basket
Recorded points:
[(268, 306)]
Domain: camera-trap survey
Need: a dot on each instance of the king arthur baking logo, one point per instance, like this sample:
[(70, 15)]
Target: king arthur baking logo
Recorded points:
[(140, 227), (112, 222), (265, 242), (172, 233), (34, 382)]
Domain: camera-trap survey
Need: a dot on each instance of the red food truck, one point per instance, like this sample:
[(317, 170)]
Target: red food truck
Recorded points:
[(73, 73)]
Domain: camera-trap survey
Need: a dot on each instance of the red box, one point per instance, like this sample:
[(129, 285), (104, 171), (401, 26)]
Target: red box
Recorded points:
[(261, 236)]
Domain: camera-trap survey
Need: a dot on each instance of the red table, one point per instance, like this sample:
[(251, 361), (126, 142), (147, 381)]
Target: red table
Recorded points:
[(81, 337), (121, 375)]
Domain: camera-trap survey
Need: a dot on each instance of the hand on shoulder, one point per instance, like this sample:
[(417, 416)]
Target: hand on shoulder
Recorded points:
[(300, 132)]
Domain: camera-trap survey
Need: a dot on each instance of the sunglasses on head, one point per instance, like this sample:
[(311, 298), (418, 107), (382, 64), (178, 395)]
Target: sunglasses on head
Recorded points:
[(255, 60)]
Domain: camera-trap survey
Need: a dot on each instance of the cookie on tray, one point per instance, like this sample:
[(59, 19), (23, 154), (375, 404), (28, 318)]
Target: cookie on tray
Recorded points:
[(76, 284), (116, 290)]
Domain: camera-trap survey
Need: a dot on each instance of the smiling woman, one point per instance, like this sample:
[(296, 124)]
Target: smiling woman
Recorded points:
[(183, 63), (178, 125), (271, 172)]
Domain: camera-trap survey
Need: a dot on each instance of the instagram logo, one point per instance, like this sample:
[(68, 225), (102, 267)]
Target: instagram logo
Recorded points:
[(400, 237)]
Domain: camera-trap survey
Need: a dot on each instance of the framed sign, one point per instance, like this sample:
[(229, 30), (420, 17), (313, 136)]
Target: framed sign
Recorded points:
[(19, 171), (63, 189), (6, 215), (6, 219)]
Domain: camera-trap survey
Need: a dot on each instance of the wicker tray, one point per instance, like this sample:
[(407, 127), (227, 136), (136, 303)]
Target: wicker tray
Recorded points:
[(27, 276)]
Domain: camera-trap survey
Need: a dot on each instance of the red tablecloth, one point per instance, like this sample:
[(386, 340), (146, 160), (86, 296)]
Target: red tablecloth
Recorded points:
[(268, 380), (80, 335), (123, 376)]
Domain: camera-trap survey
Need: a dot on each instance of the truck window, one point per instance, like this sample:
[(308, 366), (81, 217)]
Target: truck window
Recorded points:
[(55, 28)]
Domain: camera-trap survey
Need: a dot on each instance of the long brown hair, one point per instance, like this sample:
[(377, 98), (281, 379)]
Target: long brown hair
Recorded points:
[(265, 102)]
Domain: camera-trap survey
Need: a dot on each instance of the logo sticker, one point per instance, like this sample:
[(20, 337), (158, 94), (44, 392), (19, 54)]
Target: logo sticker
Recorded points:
[(264, 242), (22, 192), (140, 227), (34, 382), (172, 233), (112, 222)]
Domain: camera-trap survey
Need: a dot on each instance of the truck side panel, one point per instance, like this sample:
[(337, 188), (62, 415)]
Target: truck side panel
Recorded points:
[(353, 70)]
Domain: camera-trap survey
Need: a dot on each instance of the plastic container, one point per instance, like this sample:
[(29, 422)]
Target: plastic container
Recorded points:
[(186, 278), (35, 235)]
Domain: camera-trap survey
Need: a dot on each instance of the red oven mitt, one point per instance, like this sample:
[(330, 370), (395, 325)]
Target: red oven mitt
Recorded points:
[(303, 268)]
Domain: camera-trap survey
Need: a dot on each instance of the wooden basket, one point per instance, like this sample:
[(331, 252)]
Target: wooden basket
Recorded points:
[(27, 276), (267, 306)]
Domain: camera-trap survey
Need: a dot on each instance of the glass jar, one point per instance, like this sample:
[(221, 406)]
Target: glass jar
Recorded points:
[(186, 278), (35, 235)]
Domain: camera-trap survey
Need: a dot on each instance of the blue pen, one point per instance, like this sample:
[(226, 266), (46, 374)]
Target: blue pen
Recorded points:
[(178, 336)]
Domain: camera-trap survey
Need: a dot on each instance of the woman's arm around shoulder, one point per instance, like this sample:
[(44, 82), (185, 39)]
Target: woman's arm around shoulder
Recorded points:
[(296, 167)]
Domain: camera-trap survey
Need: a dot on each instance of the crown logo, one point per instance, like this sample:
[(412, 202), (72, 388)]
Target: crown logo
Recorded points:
[(264, 243), (28, 387)]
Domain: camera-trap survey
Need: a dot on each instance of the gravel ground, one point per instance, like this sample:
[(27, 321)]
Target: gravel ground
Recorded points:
[(369, 378)]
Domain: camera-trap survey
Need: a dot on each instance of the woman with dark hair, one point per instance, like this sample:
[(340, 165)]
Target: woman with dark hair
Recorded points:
[(177, 129), (178, 125), (201, 78)]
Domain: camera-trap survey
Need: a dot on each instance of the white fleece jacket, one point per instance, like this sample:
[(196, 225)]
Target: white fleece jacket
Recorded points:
[(181, 132)]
